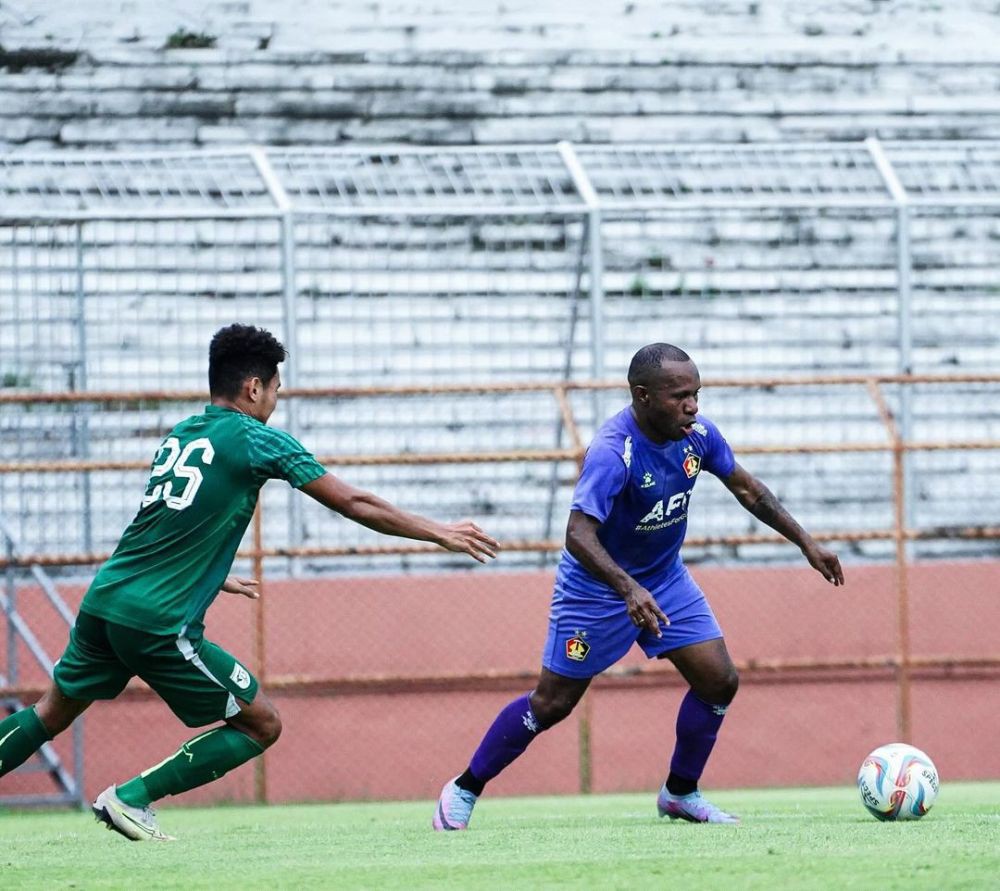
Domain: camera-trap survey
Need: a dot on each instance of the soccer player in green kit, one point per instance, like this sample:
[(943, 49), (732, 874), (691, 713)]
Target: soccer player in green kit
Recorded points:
[(143, 614)]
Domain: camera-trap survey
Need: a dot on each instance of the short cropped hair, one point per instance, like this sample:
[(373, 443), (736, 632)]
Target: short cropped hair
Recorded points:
[(646, 363), (239, 352)]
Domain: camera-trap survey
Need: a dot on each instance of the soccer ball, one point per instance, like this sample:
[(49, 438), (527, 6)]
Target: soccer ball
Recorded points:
[(897, 782)]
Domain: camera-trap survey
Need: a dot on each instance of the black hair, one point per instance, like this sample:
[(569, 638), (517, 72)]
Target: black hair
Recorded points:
[(238, 352), (647, 362)]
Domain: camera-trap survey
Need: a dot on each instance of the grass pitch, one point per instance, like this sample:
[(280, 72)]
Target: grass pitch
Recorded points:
[(789, 838)]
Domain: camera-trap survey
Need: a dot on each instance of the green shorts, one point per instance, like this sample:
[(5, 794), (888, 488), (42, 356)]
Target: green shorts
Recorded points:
[(198, 679)]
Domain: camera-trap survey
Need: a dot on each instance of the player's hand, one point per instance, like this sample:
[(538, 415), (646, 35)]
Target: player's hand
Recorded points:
[(825, 562), (465, 537), (644, 611), (234, 584)]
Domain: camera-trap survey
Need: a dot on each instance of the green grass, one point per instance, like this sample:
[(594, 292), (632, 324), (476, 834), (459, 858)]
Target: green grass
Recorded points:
[(806, 838)]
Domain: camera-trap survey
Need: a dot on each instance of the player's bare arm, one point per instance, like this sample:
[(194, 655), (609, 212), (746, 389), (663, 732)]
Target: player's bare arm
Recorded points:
[(582, 542), (764, 505), (369, 510)]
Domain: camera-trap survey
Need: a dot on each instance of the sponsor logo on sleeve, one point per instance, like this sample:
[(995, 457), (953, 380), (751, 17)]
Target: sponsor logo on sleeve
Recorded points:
[(240, 676)]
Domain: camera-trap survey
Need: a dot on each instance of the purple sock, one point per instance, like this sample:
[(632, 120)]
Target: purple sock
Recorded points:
[(509, 735), (698, 725)]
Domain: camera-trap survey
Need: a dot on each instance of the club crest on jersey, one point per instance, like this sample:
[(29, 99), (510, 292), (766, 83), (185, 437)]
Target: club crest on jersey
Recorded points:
[(577, 649), (691, 465), (240, 676)]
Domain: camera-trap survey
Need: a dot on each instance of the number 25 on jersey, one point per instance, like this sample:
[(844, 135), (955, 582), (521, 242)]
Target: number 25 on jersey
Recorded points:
[(171, 459)]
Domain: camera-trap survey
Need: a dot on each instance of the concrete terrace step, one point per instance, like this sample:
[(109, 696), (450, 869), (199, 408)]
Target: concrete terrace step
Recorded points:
[(316, 72)]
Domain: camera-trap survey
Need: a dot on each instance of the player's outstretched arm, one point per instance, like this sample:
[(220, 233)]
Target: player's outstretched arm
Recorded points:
[(375, 513), (762, 503)]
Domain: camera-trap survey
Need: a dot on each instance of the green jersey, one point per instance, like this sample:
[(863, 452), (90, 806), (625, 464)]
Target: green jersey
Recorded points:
[(202, 490)]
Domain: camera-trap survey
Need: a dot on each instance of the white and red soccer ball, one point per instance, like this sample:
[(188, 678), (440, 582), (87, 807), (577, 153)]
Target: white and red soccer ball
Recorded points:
[(897, 782)]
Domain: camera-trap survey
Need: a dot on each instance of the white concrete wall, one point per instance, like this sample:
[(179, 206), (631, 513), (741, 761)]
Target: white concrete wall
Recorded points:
[(80, 75)]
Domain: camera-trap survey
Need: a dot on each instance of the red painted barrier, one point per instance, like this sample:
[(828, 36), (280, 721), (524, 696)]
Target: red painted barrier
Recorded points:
[(403, 742)]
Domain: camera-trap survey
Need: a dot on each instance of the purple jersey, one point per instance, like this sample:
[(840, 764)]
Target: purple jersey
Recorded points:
[(640, 491)]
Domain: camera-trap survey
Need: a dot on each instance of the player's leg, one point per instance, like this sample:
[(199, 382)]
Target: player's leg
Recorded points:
[(87, 670), (585, 637), (24, 732), (258, 720), (518, 723), (512, 731), (693, 642), (208, 756), (202, 684), (713, 681)]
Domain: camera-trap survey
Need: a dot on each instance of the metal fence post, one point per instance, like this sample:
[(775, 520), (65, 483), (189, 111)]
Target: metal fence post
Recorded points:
[(904, 266), (260, 643), (290, 374), (902, 459), (289, 301), (567, 371), (904, 305), (596, 301), (596, 249), (11, 633), (81, 411)]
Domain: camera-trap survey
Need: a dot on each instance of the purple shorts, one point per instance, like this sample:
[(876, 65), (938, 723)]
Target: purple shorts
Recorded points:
[(589, 633)]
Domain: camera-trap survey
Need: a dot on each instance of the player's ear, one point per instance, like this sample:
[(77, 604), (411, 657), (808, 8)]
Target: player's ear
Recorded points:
[(254, 388)]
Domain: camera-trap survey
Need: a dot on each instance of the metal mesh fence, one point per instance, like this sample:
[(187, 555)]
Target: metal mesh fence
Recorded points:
[(772, 292), (439, 269), (956, 301), (370, 658), (430, 299)]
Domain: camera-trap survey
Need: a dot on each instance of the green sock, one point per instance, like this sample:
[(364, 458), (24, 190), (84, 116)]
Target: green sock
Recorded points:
[(21, 735), (198, 761)]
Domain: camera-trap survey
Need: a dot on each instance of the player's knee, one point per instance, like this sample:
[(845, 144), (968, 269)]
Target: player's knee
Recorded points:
[(552, 707), (262, 725), (53, 720), (56, 711), (725, 687), (732, 684), (719, 689)]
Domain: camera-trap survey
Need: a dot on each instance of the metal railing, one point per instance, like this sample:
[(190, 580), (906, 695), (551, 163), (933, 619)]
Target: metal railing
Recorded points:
[(898, 663), (548, 254), (68, 782), (421, 266)]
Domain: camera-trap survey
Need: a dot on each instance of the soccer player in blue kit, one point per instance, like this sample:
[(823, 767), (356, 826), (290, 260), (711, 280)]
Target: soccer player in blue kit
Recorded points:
[(621, 581)]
